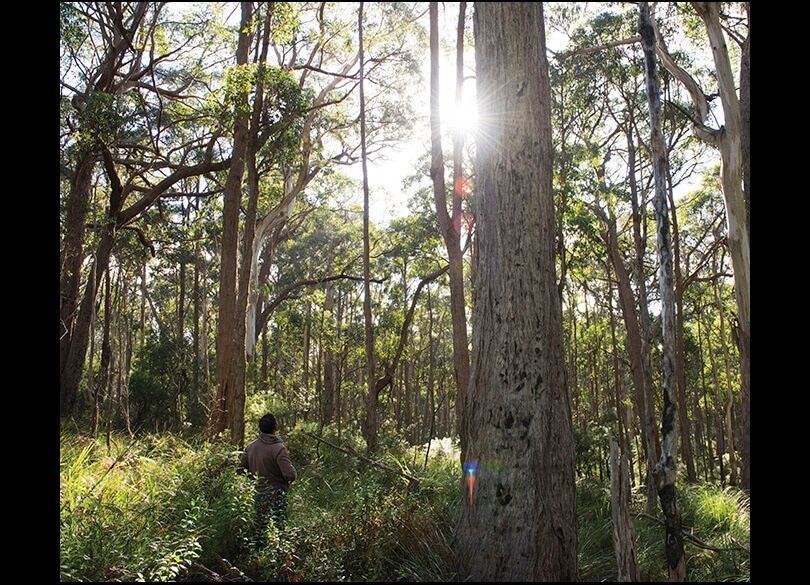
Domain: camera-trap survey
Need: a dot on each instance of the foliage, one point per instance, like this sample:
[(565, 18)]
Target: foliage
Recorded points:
[(165, 509), (145, 510), (162, 509), (159, 508), (715, 516)]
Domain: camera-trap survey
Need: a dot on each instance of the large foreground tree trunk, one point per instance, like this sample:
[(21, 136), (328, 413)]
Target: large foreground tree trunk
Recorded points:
[(518, 519)]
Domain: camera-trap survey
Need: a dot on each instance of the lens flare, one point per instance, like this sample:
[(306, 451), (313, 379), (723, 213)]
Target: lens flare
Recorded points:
[(470, 468)]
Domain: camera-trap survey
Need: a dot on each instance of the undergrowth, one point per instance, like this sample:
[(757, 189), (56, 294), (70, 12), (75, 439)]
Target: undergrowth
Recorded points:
[(161, 508)]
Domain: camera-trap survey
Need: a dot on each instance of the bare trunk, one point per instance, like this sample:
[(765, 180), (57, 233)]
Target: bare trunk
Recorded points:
[(624, 538), (683, 419), (371, 424), (229, 375), (640, 242), (329, 364), (707, 447), (745, 120), (666, 471), (729, 401), (634, 343), (74, 366), (72, 256), (182, 381), (450, 226), (518, 519), (729, 141)]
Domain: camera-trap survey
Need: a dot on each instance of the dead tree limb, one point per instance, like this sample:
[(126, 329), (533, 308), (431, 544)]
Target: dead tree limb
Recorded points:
[(695, 540), (349, 451)]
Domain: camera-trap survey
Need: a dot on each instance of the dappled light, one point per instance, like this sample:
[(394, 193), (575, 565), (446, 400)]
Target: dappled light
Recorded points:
[(417, 291)]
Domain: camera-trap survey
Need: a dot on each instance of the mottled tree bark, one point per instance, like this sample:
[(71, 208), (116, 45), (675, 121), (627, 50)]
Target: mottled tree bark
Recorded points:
[(666, 470), (520, 522)]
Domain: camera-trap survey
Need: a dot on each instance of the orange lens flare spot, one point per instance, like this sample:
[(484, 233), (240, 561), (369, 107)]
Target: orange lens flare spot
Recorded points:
[(463, 186), (470, 469)]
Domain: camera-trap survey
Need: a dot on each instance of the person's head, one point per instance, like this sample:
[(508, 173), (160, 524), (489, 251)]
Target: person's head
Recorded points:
[(268, 424)]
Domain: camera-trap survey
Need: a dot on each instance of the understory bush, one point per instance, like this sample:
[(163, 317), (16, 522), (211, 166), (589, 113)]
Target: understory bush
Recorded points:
[(160, 508)]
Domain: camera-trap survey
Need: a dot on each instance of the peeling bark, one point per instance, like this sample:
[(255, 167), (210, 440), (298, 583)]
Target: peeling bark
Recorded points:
[(666, 470), (624, 539)]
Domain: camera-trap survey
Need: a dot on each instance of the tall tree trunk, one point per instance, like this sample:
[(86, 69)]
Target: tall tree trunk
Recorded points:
[(371, 424), (71, 373), (450, 226), (680, 374), (707, 448), (306, 344), (728, 140), (519, 522), (666, 470), (72, 257), (329, 364), (635, 344), (717, 399), (196, 395), (92, 388), (624, 538), (745, 119), (229, 381), (640, 242), (729, 401), (182, 380)]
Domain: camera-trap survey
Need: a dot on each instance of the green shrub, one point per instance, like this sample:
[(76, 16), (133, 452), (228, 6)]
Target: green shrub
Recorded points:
[(161, 508)]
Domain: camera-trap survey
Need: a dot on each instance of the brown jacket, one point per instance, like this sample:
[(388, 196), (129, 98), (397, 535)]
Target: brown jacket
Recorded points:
[(267, 459)]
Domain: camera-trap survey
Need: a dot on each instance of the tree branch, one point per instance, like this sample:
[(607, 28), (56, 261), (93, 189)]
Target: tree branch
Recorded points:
[(287, 293), (694, 539), (388, 376), (349, 451), (588, 50)]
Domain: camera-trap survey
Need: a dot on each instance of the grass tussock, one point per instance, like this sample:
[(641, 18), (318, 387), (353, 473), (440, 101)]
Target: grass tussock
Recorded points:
[(715, 520), (165, 509)]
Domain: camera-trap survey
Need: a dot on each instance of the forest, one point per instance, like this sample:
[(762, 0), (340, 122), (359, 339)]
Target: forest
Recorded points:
[(486, 263)]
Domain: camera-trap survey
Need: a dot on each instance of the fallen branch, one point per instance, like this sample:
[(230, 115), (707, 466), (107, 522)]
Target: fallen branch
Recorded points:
[(694, 539), (349, 451)]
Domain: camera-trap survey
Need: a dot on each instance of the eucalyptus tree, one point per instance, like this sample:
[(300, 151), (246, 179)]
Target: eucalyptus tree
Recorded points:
[(665, 472), (729, 140), (267, 106), (317, 47), (450, 223), (518, 521), (709, 277), (597, 88), (134, 87)]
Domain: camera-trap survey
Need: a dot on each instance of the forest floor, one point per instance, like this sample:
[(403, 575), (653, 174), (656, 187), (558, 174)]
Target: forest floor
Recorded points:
[(165, 508)]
